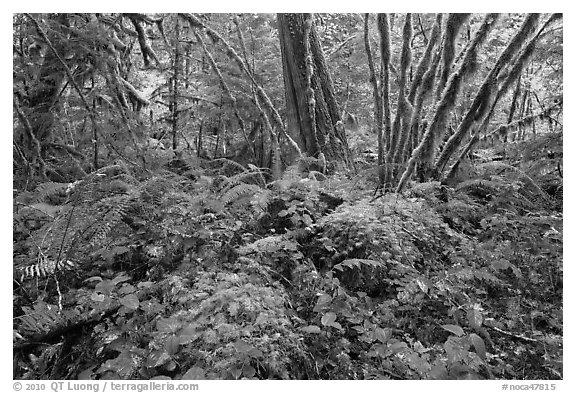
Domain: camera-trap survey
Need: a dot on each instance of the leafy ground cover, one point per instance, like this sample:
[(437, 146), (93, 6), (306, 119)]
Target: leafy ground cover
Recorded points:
[(201, 271)]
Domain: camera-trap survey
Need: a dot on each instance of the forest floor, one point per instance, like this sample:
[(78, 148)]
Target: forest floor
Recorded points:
[(205, 273)]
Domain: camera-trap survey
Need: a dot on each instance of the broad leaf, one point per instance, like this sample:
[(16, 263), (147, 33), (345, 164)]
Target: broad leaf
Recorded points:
[(328, 319), (479, 345), (196, 373), (130, 301), (454, 329)]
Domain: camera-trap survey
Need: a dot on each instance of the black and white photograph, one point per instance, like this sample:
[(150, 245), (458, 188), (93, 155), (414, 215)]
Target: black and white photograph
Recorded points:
[(286, 196)]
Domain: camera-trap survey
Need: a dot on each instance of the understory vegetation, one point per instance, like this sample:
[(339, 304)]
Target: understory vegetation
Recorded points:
[(203, 272)]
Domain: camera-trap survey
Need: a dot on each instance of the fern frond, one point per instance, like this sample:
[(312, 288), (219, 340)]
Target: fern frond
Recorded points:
[(116, 208), (39, 319), (261, 201), (235, 193), (44, 268), (229, 182), (529, 183), (485, 187), (228, 162), (153, 189), (44, 208), (50, 189), (356, 264), (292, 173)]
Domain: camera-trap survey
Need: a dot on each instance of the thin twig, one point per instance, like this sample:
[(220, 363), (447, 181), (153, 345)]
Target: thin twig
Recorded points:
[(518, 336)]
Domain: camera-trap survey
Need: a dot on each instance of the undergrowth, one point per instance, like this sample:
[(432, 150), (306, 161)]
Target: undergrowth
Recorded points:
[(214, 274)]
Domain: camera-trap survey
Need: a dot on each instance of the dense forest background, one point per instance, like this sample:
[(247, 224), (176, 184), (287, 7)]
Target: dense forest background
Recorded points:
[(293, 196)]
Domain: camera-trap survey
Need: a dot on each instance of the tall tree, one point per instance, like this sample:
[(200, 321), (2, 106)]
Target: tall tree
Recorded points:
[(425, 150), (312, 112)]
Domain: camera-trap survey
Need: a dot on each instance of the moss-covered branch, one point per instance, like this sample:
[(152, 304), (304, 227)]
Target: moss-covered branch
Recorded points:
[(427, 144), (485, 95)]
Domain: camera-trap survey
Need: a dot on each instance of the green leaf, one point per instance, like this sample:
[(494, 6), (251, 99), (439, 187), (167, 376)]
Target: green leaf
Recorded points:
[(242, 346), (474, 318), (145, 284), (233, 308), (167, 325), (479, 345), (312, 329), (255, 353), (328, 319), (248, 371), (126, 289), (381, 350), (157, 358), (172, 345), (195, 373), (104, 287), (87, 374), (123, 365), (397, 347), (130, 301), (119, 250), (454, 329), (236, 372), (423, 284), (336, 325), (438, 371), (188, 335), (121, 278), (171, 365), (456, 349), (97, 297), (382, 335), (323, 302)]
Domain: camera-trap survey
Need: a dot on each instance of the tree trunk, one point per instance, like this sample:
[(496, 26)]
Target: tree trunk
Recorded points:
[(385, 51), (427, 146), (401, 121), (312, 112), (376, 92), (175, 85), (484, 96)]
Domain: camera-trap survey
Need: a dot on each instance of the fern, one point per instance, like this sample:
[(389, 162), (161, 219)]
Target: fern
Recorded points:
[(153, 189), (260, 201), (46, 209), (43, 318), (229, 163), (229, 182), (39, 319), (485, 187), (98, 209), (50, 189), (44, 268), (530, 185), (356, 264), (235, 193), (116, 208), (292, 173)]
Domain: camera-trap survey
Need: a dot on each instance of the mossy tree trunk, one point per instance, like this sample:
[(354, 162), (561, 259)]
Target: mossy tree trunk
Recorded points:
[(312, 111), (39, 103), (424, 152), (485, 95), (377, 94)]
